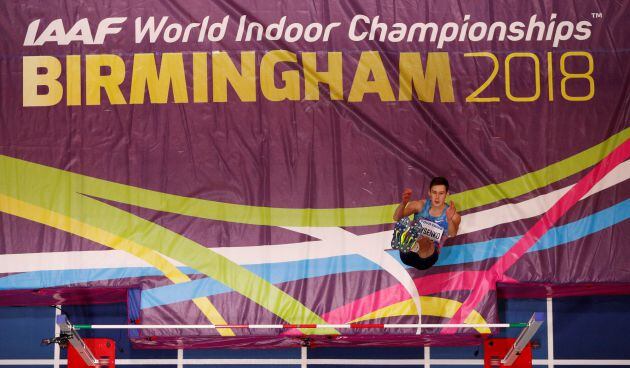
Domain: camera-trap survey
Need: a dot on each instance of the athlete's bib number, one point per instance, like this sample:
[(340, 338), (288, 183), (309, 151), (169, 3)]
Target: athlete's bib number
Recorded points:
[(431, 230)]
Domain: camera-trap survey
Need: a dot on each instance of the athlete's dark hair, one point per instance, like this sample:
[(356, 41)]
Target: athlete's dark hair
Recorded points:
[(438, 180)]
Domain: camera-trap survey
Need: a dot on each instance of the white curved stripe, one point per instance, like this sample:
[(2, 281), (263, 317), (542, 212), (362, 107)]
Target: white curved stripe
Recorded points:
[(330, 245), (76, 260), (535, 206), (335, 241)]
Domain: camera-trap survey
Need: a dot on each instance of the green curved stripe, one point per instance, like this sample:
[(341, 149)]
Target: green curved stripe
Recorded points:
[(60, 192), (229, 212), (357, 216), (540, 178)]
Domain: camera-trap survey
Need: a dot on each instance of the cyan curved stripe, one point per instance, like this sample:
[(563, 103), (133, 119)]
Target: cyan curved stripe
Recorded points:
[(289, 271), (585, 226), (273, 272), (473, 252)]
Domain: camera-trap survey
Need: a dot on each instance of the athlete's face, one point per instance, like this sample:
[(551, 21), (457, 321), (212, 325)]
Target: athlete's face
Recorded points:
[(438, 193)]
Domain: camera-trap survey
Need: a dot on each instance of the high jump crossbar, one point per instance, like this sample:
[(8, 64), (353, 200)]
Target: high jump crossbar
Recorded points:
[(305, 326)]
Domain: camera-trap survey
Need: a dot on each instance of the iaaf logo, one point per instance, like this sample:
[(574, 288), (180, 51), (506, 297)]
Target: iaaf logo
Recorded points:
[(80, 31)]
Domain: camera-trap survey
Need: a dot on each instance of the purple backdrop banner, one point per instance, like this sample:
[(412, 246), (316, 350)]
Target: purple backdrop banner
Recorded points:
[(240, 162)]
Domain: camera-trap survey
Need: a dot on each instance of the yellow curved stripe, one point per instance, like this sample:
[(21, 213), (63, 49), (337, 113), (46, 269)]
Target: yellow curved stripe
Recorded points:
[(212, 314), (44, 216), (431, 306)]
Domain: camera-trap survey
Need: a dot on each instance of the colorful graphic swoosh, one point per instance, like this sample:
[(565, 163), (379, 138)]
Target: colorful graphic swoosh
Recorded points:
[(31, 180), (38, 214), (296, 270), (91, 212)]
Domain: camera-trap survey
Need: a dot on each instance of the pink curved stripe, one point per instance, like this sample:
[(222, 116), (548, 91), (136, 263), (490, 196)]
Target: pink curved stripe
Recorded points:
[(497, 271), (427, 285), (482, 282)]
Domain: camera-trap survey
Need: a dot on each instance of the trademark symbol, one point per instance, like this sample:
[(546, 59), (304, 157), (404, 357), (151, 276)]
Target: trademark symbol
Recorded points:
[(596, 15)]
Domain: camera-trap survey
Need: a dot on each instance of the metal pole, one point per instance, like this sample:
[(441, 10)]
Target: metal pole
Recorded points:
[(75, 340), (523, 339)]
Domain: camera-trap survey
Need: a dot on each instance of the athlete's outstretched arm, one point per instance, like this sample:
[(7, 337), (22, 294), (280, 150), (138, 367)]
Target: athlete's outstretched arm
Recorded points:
[(406, 207), (454, 219)]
